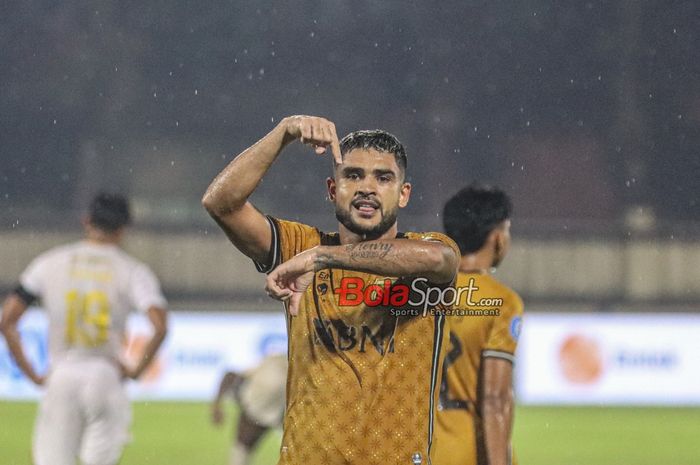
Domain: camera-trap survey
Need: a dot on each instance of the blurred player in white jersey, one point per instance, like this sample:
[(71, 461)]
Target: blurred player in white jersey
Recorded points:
[(260, 394), (87, 289)]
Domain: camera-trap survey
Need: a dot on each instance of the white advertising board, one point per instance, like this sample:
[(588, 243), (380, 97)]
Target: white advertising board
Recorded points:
[(595, 359), (577, 359)]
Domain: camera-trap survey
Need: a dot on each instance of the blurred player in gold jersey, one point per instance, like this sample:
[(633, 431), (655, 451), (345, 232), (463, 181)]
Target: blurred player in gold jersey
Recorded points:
[(475, 415), (364, 367)]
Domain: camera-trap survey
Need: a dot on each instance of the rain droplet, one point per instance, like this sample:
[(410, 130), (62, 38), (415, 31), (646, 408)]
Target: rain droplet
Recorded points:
[(196, 92)]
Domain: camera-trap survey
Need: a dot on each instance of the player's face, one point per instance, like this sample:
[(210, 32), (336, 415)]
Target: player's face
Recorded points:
[(368, 191)]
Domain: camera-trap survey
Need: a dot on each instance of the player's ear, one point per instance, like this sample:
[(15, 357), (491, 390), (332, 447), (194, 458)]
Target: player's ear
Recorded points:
[(330, 185), (405, 194), (500, 240), (85, 221)]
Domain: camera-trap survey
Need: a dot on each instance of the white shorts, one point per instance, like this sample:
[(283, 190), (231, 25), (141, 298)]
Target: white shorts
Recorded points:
[(262, 392), (84, 414)]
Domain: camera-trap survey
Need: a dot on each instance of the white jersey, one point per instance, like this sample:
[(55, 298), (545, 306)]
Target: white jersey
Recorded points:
[(88, 290)]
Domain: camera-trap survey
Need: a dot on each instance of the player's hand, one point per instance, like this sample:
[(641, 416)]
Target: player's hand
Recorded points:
[(127, 372), (290, 280), (315, 131), (217, 414), (39, 380)]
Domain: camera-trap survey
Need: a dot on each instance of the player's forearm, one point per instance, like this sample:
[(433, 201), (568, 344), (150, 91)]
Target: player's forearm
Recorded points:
[(13, 308), (393, 257), (14, 345), (231, 188), (150, 352), (498, 417), (226, 385)]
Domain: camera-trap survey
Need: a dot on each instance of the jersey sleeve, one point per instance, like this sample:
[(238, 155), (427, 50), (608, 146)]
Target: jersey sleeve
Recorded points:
[(32, 281), (442, 238), (144, 290), (503, 337), (288, 239)]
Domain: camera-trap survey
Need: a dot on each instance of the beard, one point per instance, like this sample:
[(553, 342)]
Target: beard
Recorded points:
[(367, 233)]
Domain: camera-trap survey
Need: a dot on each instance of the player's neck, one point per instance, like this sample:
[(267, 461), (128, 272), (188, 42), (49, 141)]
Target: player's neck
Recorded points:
[(479, 262), (349, 237), (102, 238)]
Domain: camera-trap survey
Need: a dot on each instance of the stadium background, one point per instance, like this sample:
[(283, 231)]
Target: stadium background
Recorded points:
[(588, 113)]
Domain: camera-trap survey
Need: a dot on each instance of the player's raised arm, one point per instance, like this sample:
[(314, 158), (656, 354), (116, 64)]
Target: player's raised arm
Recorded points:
[(226, 199), (432, 260)]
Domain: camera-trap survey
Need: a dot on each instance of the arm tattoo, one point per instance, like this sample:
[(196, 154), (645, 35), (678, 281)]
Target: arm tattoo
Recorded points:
[(374, 250)]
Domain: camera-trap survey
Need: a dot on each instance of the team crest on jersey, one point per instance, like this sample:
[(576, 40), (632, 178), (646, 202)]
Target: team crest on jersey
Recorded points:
[(515, 326), (322, 288)]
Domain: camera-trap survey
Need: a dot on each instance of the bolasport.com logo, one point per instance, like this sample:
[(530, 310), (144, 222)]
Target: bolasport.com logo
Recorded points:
[(416, 297)]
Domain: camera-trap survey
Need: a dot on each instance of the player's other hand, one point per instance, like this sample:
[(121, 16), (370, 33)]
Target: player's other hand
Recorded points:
[(315, 131), (290, 280), (127, 372), (39, 380), (217, 414)]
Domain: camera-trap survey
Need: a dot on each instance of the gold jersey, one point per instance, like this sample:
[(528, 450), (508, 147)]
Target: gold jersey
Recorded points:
[(485, 323), (363, 379)]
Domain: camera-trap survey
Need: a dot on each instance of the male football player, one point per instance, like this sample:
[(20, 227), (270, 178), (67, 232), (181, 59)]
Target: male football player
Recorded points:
[(475, 415), (260, 394), (87, 290), (363, 367)]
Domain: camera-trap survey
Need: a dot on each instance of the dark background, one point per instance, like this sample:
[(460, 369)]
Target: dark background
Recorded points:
[(586, 112)]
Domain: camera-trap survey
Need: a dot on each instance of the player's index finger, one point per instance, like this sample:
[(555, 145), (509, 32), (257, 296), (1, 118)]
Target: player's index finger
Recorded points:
[(335, 149), (335, 145)]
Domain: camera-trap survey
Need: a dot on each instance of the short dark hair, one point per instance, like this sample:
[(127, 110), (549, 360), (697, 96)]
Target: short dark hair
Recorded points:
[(377, 139), (109, 212), (471, 214)]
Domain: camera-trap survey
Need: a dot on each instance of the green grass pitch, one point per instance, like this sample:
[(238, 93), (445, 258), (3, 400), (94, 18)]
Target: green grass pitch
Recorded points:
[(180, 433)]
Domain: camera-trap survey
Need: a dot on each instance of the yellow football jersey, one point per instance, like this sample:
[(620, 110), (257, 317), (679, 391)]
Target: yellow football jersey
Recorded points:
[(489, 326), (363, 378)]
